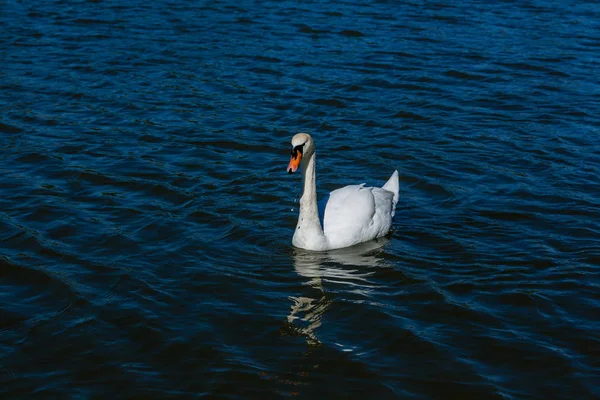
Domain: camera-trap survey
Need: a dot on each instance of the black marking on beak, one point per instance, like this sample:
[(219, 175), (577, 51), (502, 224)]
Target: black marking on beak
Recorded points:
[(297, 149)]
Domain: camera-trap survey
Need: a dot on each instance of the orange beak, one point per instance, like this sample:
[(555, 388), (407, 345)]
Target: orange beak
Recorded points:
[(294, 162)]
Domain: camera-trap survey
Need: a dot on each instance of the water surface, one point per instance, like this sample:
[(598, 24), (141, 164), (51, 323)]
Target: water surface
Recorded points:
[(146, 216)]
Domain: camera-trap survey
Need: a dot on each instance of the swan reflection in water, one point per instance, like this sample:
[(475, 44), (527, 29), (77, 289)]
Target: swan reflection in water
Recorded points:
[(331, 268)]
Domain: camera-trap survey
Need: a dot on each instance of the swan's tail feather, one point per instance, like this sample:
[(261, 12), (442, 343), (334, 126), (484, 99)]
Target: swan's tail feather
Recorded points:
[(393, 185)]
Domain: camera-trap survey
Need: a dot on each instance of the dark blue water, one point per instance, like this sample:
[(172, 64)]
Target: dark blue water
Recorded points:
[(146, 217)]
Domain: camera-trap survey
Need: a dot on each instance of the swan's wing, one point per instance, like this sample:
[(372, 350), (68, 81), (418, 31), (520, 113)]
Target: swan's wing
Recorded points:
[(348, 208), (385, 207), (354, 214)]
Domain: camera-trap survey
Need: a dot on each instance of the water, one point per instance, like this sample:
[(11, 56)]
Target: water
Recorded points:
[(146, 214)]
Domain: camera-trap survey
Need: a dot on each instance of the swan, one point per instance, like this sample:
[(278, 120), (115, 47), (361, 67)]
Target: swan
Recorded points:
[(350, 215)]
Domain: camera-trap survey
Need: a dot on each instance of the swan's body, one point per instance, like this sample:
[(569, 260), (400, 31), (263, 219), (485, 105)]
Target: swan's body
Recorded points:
[(350, 215)]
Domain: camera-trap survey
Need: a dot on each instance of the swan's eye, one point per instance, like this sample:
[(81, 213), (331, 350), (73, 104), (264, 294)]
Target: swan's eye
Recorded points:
[(297, 149)]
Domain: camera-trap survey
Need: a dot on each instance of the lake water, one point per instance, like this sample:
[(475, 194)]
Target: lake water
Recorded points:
[(146, 215)]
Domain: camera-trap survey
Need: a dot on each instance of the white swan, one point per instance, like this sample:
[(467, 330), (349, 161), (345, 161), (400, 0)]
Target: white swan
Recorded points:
[(351, 215)]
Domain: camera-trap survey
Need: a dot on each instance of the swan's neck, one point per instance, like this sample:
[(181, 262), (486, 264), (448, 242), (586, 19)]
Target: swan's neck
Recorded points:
[(309, 233), (308, 200)]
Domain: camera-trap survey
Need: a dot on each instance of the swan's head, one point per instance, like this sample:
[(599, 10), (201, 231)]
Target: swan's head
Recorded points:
[(302, 146)]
